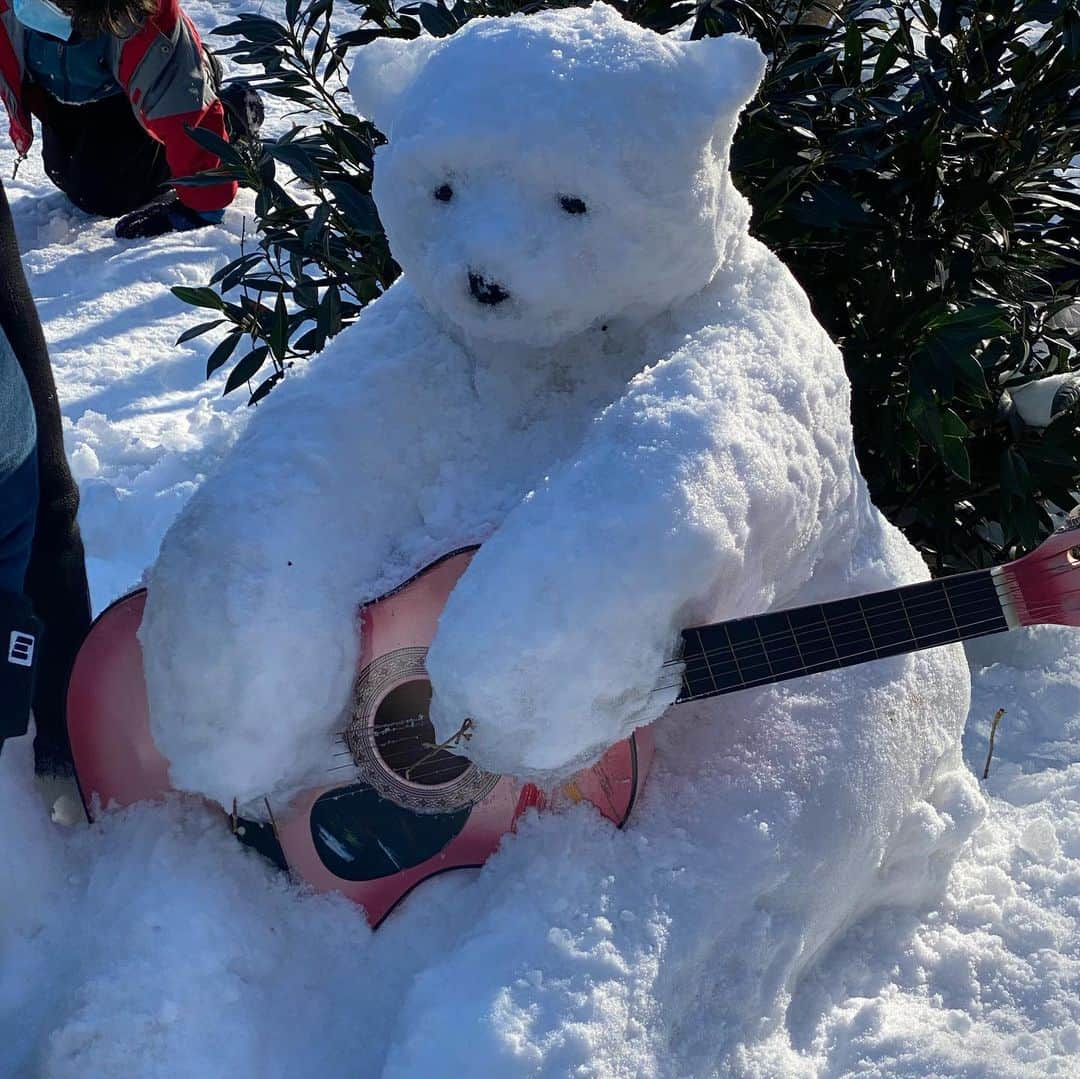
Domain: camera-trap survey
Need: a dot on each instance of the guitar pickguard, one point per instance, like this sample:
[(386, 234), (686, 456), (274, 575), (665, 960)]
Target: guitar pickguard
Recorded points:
[(359, 835)]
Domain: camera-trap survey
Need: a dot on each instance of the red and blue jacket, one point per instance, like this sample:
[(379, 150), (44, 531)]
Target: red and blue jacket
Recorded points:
[(162, 70)]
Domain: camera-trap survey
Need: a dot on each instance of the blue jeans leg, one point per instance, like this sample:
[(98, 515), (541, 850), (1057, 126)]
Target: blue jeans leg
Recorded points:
[(18, 508)]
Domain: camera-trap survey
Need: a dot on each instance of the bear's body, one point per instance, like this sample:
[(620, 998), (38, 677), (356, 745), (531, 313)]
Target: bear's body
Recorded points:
[(590, 367)]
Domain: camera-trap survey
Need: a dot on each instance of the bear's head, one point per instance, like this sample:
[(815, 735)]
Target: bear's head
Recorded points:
[(548, 173)]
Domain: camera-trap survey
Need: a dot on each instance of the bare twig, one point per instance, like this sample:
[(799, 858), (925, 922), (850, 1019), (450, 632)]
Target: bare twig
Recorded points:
[(993, 730)]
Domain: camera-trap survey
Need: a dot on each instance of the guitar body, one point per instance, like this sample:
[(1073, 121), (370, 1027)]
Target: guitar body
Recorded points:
[(394, 809)]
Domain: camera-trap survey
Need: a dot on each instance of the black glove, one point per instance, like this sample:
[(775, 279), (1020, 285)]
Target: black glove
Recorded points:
[(164, 214), (20, 640)]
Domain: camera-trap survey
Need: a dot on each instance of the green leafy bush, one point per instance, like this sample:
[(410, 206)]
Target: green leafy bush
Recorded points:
[(908, 160)]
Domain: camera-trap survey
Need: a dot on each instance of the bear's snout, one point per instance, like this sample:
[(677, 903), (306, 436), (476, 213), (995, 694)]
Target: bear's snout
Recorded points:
[(485, 291)]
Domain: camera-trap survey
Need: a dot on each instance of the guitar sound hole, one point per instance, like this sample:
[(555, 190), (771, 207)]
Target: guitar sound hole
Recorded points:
[(404, 737)]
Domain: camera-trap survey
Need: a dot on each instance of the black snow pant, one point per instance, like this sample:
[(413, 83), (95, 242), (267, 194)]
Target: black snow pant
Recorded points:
[(56, 579), (100, 156)]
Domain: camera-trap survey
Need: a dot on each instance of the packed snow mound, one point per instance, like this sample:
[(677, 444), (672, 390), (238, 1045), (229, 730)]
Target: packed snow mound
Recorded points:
[(592, 368), (150, 945)]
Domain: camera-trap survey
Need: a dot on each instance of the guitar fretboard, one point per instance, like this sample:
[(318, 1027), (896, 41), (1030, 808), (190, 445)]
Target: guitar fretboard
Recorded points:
[(767, 648)]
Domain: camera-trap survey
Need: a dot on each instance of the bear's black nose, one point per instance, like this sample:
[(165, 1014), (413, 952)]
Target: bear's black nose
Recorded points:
[(485, 291)]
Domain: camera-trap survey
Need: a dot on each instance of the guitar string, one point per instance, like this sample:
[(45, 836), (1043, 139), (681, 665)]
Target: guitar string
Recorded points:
[(1036, 614), (744, 650), (915, 605), (453, 769), (377, 734), (819, 631), (747, 649), (373, 735), (434, 778), (808, 635), (842, 623), (853, 660), (970, 631)]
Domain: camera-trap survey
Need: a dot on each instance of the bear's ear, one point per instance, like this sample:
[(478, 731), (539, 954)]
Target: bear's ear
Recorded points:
[(382, 71), (732, 66)]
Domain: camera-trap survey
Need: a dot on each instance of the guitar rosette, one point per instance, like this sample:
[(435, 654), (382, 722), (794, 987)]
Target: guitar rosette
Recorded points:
[(392, 741)]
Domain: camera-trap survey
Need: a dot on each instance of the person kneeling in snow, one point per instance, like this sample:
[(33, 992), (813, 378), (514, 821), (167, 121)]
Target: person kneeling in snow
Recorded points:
[(115, 84)]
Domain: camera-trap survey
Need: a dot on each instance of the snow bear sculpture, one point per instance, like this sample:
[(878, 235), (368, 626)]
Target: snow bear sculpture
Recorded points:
[(591, 368)]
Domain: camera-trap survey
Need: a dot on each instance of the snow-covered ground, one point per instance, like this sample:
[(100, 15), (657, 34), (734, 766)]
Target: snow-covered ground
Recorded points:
[(152, 945)]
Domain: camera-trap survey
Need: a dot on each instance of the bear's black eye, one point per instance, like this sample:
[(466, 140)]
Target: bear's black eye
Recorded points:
[(444, 193), (572, 205)]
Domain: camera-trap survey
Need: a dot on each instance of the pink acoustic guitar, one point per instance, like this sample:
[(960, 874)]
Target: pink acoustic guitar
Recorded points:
[(395, 809)]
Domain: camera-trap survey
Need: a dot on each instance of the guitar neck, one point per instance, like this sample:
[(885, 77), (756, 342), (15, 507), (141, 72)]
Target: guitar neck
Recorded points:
[(774, 647)]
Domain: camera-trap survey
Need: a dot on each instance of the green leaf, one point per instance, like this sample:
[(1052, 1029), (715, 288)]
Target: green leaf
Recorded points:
[(199, 297), (954, 451), (890, 51), (243, 264), (956, 356), (329, 318), (926, 417), (265, 387), (853, 54), (311, 342), (198, 331), (259, 283), (948, 20), (319, 51), (306, 295), (297, 159), (830, 206), (254, 28), (436, 20), (237, 270), (279, 329), (225, 348), (984, 318), (1015, 478), (357, 207), (337, 58), (886, 105), (809, 63), (1070, 32), (215, 144), (246, 368)]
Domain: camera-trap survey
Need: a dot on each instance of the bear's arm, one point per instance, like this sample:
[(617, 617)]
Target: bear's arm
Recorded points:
[(706, 492), (250, 636)]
